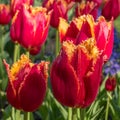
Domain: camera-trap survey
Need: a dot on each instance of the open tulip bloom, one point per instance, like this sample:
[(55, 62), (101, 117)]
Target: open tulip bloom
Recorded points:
[(85, 27), (76, 73), (30, 27), (27, 84)]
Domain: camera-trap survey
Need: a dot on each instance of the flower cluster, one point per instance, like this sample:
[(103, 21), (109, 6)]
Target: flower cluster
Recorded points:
[(85, 42)]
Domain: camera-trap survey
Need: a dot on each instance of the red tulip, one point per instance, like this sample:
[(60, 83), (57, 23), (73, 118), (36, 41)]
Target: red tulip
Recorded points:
[(30, 27), (27, 84), (85, 27), (17, 4), (110, 84), (76, 73), (96, 1), (111, 9), (87, 8), (5, 15), (77, 0), (60, 9)]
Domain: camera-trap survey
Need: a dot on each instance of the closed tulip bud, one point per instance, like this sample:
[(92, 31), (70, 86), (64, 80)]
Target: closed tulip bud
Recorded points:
[(60, 9), (5, 15), (85, 27), (110, 84), (27, 84), (30, 27), (17, 4), (76, 73), (111, 9)]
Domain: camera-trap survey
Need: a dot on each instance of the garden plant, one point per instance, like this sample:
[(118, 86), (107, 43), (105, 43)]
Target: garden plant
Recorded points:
[(59, 59)]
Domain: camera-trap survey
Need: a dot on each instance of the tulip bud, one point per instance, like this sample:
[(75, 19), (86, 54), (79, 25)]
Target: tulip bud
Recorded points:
[(27, 84), (110, 84), (111, 9), (5, 15)]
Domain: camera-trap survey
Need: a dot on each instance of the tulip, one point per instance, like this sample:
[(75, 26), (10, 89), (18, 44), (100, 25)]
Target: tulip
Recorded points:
[(96, 1), (111, 9), (110, 84), (85, 27), (27, 84), (77, 0), (60, 9), (5, 15), (30, 27), (76, 73), (17, 4), (86, 8)]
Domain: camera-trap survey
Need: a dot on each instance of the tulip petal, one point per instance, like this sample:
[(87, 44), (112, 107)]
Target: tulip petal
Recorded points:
[(32, 90), (65, 84), (92, 83)]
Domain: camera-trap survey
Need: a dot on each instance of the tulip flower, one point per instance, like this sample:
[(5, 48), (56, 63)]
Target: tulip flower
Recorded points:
[(111, 9), (30, 27), (60, 9), (85, 27), (96, 1), (5, 15), (17, 4), (27, 84), (77, 0), (76, 73), (87, 8), (110, 84)]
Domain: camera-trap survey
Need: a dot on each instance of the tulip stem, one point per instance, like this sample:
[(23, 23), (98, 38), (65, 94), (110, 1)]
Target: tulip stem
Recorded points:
[(26, 115), (69, 113), (13, 113), (16, 52), (57, 43), (27, 53), (78, 113), (2, 39), (82, 114), (74, 115), (107, 108)]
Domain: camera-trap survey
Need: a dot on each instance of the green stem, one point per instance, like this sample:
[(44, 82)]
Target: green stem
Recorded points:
[(43, 51), (82, 114), (16, 52), (2, 39), (107, 108), (57, 43), (16, 56), (119, 95), (13, 114), (69, 113), (78, 113), (74, 115), (26, 115), (27, 53)]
